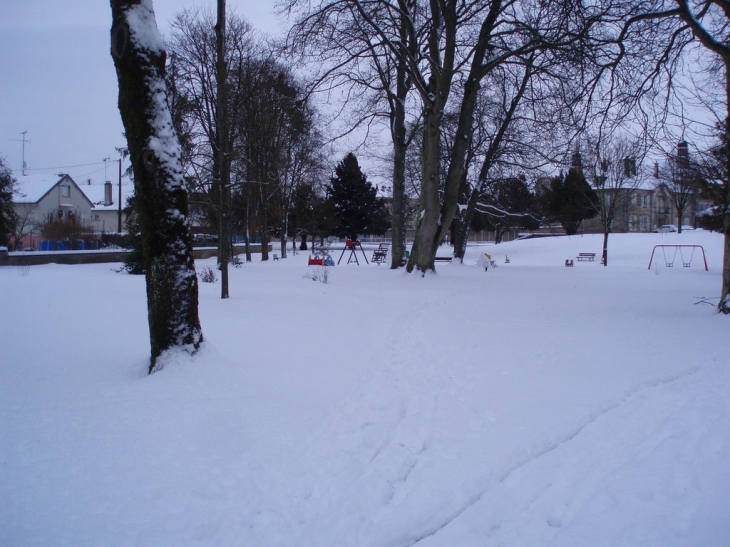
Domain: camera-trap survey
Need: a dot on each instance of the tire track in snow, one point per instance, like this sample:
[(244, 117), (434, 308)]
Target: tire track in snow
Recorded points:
[(551, 447), (357, 461)]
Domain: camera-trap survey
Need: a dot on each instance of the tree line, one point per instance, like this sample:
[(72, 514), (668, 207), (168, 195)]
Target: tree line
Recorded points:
[(474, 94)]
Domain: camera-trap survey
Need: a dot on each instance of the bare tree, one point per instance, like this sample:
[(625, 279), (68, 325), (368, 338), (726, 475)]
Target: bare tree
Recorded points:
[(524, 119), (613, 167), (172, 289), (673, 28), (278, 144), (460, 44), (356, 61), (222, 147), (203, 49), (24, 223), (681, 178)]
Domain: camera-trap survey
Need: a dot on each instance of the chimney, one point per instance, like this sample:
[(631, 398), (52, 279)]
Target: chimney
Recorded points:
[(629, 167), (107, 194), (656, 169)]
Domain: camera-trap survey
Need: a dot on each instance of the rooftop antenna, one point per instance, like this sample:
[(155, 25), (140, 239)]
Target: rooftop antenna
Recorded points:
[(23, 140), (106, 163)]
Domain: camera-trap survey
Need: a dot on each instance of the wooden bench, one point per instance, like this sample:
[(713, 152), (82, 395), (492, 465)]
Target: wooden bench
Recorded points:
[(443, 259), (586, 256)]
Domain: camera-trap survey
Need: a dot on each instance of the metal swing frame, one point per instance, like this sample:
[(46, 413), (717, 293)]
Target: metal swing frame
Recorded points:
[(678, 248)]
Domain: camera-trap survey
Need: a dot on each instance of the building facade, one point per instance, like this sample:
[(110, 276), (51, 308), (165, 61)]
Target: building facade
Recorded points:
[(41, 199)]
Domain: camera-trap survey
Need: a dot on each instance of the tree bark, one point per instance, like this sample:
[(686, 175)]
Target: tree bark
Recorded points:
[(224, 157), (172, 288), (724, 303)]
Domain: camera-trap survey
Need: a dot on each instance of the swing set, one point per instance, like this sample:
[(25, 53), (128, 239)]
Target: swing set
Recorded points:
[(683, 251)]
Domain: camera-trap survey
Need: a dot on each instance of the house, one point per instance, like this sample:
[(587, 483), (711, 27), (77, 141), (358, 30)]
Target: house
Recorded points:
[(645, 197), (108, 209), (40, 198)]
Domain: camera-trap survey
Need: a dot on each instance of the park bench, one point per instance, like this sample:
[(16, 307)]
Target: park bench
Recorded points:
[(443, 259), (586, 256), (380, 254)]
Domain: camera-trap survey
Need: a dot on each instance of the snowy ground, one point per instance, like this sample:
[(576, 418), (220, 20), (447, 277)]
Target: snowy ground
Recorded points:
[(531, 405)]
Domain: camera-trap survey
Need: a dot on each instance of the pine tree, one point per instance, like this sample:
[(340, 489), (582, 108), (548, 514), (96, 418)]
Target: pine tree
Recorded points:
[(358, 210), (570, 201), (7, 214)]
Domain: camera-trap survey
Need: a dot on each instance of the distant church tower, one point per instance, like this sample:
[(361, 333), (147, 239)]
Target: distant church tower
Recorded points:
[(576, 161)]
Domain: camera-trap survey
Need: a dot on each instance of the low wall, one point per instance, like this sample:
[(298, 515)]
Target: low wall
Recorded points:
[(34, 258)]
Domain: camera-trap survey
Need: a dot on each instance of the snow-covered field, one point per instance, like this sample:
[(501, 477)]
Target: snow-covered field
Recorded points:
[(529, 405)]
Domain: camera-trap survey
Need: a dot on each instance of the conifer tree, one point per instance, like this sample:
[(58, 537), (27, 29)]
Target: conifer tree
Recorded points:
[(7, 214), (570, 201), (357, 208)]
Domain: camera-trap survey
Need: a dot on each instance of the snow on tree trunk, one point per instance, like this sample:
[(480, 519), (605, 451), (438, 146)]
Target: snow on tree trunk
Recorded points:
[(172, 288)]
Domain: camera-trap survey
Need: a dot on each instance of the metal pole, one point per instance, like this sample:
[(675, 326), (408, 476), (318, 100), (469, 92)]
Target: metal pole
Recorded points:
[(119, 223)]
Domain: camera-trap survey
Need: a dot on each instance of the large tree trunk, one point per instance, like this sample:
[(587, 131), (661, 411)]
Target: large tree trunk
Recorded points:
[(222, 144), (172, 288), (724, 303), (462, 233), (400, 146), (398, 229), (424, 246)]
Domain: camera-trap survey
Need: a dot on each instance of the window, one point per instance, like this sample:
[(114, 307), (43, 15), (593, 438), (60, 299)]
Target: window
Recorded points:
[(644, 201), (65, 191), (644, 223), (632, 223)]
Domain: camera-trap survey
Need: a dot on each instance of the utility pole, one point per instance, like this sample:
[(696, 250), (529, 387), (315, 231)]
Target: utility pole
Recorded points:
[(123, 153), (119, 213), (23, 140)]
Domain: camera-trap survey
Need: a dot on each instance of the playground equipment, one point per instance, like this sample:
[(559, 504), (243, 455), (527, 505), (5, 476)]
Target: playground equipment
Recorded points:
[(684, 252), (352, 246), (486, 261), (380, 254), (320, 260)]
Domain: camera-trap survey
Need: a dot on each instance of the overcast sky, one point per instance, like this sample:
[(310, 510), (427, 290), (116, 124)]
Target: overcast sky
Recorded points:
[(57, 80)]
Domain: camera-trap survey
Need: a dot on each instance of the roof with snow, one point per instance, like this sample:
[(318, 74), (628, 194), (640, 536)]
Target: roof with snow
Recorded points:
[(31, 188)]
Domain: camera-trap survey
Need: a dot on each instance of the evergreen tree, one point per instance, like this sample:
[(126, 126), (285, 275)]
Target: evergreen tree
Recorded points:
[(357, 209), (509, 205), (570, 201), (7, 214)]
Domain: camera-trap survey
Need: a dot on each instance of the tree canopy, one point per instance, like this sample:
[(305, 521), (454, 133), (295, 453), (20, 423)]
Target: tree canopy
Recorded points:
[(570, 200), (358, 210), (7, 215)]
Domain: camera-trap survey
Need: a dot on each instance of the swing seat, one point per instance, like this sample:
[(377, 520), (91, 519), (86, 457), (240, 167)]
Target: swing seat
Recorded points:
[(681, 249)]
